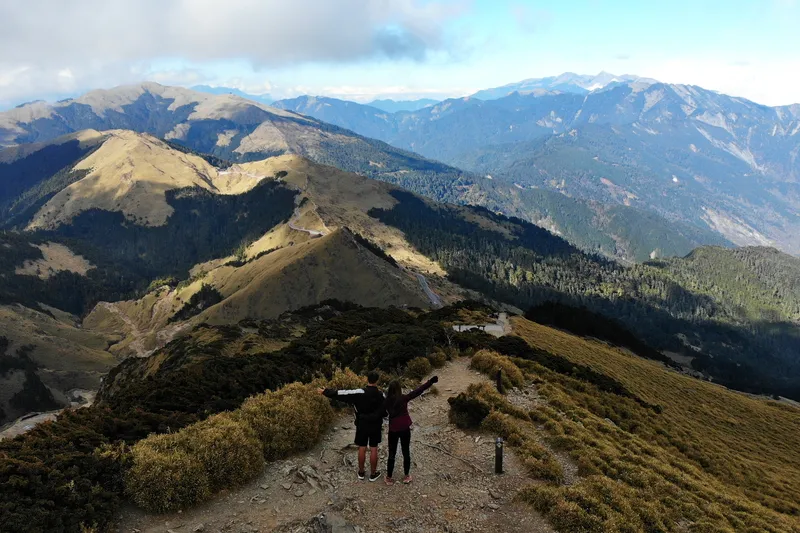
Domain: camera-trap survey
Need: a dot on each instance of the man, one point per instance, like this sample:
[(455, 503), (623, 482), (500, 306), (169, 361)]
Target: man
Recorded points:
[(368, 403)]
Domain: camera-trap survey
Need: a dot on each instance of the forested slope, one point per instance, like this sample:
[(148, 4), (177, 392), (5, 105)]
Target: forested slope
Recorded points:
[(534, 267)]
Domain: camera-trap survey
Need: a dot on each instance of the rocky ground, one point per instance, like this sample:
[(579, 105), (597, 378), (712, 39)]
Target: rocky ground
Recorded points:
[(454, 488)]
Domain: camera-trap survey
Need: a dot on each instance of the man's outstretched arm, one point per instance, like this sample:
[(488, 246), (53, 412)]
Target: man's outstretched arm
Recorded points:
[(342, 395)]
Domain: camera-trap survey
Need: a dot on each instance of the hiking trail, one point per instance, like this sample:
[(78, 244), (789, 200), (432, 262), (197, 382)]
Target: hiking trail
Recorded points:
[(455, 492)]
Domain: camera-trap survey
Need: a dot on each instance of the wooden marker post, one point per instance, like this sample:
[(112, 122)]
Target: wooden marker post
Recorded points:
[(498, 455)]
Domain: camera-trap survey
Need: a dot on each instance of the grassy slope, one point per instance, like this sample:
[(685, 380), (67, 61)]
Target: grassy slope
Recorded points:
[(712, 460)]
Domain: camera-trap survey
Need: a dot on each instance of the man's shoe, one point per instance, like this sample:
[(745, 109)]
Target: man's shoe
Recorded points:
[(362, 475), (375, 476)]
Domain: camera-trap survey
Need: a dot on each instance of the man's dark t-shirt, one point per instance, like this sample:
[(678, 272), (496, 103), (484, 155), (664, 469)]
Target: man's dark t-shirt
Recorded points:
[(370, 410)]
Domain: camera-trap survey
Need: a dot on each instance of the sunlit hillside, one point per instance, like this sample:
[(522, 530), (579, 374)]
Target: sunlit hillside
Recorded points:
[(679, 455)]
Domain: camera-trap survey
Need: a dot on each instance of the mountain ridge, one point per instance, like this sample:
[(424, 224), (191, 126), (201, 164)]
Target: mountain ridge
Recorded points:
[(568, 82), (717, 162)]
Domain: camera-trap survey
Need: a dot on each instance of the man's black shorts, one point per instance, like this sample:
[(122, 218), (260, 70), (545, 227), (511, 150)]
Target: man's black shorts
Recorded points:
[(369, 435)]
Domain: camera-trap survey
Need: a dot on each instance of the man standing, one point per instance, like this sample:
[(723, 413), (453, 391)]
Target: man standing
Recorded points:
[(370, 410)]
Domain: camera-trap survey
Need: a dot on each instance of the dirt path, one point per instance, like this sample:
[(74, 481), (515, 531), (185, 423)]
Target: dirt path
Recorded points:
[(137, 345), (450, 493), (292, 225)]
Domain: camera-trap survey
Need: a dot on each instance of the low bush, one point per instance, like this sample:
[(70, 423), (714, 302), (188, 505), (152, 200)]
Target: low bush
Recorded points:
[(418, 368), (287, 420), (437, 358), (229, 450), (164, 476), (489, 362), (177, 470), (344, 379), (467, 412), (211, 370)]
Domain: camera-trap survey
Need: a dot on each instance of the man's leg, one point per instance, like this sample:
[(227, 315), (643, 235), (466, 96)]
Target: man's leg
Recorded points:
[(373, 459), (362, 458)]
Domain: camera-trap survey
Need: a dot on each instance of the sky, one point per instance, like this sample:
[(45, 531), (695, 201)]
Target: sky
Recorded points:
[(401, 49)]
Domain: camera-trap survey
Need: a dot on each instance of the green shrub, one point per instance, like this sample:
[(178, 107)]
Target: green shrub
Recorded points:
[(164, 476), (418, 368)]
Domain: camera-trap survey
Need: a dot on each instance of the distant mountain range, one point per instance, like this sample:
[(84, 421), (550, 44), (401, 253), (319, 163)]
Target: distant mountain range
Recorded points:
[(686, 153), (569, 82), (236, 129), (261, 98), (120, 242), (393, 106)]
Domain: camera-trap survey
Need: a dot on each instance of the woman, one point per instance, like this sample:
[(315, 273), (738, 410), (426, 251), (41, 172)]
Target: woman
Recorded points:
[(400, 425)]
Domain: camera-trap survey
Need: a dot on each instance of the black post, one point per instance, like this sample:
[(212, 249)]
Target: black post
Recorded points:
[(500, 381), (498, 455)]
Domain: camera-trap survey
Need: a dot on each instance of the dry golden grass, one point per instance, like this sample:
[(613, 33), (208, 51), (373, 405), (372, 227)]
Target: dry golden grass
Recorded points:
[(177, 470), (288, 420), (286, 279), (489, 362), (521, 434), (510, 422), (228, 450), (711, 460), (164, 476), (56, 258), (343, 199), (305, 274)]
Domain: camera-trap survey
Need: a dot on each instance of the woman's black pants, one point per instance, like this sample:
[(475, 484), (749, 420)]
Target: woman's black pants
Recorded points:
[(405, 440)]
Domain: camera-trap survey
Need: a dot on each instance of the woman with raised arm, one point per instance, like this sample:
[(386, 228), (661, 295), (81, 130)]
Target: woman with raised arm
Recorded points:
[(400, 425)]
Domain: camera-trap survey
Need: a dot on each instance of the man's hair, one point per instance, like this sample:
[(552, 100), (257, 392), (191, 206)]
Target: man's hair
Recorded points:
[(373, 377)]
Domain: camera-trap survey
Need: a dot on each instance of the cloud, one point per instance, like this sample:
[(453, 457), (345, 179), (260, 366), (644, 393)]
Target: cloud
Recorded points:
[(268, 32), (531, 20), (92, 37), (771, 82), (374, 92)]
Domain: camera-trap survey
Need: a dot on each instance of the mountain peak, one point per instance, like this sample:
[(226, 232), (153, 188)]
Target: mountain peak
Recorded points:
[(568, 82)]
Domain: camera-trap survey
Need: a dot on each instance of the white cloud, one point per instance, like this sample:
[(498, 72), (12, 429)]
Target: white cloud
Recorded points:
[(765, 81), (268, 32), (530, 19), (112, 40), (374, 92)]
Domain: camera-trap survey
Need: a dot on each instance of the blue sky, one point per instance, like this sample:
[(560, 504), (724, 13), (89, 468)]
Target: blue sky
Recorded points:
[(363, 49)]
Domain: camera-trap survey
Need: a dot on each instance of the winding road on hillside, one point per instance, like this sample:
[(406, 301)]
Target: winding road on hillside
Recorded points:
[(432, 296), (312, 232)]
